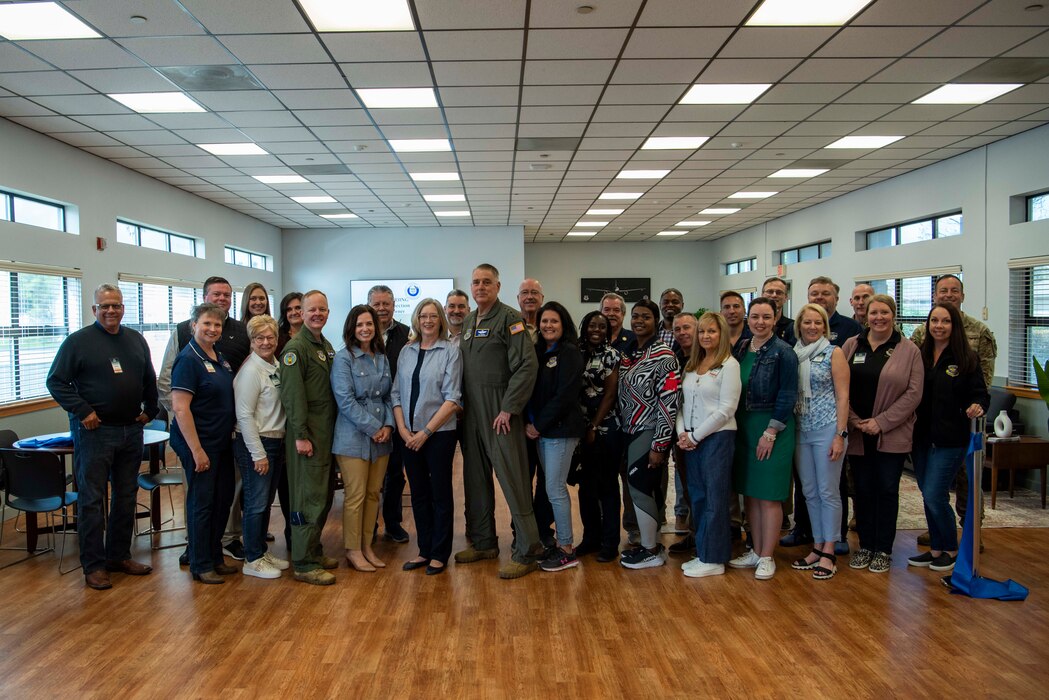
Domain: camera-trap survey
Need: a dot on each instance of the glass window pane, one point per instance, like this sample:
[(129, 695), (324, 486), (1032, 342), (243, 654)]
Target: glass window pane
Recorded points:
[(1038, 207), (131, 307), (229, 255), (155, 304), (880, 239), (5, 207), (5, 298), (153, 239), (884, 287), (1040, 292), (35, 213), (127, 233), (182, 245), (40, 300), (918, 231), (258, 262), (809, 252), (825, 250), (732, 268), (1037, 346), (917, 297), (949, 226), (241, 257), (182, 301), (789, 257), (7, 370)]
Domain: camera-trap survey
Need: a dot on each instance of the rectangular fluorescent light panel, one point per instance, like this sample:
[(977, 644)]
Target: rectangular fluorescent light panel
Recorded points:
[(233, 149), (810, 13), (314, 200), (720, 210), (451, 213), (799, 172), (661, 143), (444, 197), (604, 212), (866, 142), (588, 224), (26, 21), (280, 179), (434, 177), (692, 223), (339, 216), (751, 195), (359, 15), (620, 195), (724, 93), (397, 98), (672, 233), (420, 145), (157, 102), (582, 233), (966, 93), (642, 174)]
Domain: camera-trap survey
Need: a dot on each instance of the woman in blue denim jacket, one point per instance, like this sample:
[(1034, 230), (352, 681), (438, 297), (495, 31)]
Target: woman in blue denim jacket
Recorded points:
[(361, 382), (769, 374)]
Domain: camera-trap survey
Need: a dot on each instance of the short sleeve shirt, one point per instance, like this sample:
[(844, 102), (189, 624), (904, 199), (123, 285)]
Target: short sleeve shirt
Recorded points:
[(213, 408)]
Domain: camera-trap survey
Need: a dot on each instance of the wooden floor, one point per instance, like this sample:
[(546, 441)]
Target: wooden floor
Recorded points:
[(596, 631)]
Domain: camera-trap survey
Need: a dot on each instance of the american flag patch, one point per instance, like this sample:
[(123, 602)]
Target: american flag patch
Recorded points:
[(517, 328)]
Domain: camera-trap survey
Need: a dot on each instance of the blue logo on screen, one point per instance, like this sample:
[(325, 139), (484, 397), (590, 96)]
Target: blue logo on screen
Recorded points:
[(413, 290)]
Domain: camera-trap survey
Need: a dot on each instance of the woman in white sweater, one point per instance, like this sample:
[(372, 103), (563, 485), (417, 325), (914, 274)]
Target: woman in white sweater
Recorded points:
[(259, 444), (706, 430)]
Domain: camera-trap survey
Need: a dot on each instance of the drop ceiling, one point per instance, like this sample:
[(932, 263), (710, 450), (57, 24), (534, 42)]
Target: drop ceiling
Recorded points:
[(586, 89)]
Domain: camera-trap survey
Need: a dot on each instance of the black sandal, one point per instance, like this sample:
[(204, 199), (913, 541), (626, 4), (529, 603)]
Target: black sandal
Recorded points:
[(802, 565), (822, 573)]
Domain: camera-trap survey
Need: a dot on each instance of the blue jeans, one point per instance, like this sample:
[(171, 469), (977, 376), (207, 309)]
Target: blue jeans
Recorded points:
[(820, 481), (106, 454), (708, 471), (209, 495), (556, 456), (935, 469), (257, 491)]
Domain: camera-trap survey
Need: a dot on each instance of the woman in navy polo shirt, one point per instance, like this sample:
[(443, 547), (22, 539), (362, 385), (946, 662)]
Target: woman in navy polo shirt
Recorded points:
[(201, 435)]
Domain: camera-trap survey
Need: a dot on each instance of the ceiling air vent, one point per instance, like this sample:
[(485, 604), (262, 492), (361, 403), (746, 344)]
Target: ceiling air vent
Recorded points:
[(202, 78), (568, 143)]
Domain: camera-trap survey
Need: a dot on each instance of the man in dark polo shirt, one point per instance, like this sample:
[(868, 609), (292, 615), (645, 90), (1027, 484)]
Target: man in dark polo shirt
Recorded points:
[(613, 306), (103, 377)]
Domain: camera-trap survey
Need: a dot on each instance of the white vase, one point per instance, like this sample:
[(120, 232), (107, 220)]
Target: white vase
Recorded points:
[(1003, 427)]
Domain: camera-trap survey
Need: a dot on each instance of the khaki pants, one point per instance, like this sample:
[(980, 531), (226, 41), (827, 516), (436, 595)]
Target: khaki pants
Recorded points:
[(361, 482)]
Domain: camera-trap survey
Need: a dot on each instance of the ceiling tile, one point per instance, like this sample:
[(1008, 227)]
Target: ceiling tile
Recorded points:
[(976, 41), (556, 13), (82, 104), (467, 73), (247, 16), (480, 96), (471, 14), (316, 99), (676, 42), (1035, 48), (237, 100), (333, 117), (887, 93), (925, 70), (575, 43), (42, 83), (260, 118), (489, 45), (1005, 12), (276, 48), (366, 46), (567, 72), (178, 51), (836, 70), (166, 18), (48, 125), (117, 122), (748, 70), (21, 107), (760, 42), (206, 120), (387, 75), (298, 76), (876, 41), (73, 53), (665, 95), (111, 80)]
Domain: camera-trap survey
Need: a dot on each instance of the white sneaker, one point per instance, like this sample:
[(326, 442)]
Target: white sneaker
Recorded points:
[(703, 569), (276, 562), (260, 568), (745, 561), (694, 561), (766, 569)]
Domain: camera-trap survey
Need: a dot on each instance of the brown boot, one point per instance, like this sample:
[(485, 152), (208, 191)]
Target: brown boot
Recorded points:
[(98, 579)]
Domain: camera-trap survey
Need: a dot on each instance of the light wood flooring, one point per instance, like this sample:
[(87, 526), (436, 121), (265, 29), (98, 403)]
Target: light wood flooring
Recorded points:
[(595, 631)]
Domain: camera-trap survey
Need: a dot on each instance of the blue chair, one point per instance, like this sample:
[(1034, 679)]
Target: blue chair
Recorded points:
[(151, 482), (36, 483)]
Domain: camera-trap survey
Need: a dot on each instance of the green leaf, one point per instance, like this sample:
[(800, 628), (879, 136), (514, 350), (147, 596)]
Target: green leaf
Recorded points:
[(1043, 378)]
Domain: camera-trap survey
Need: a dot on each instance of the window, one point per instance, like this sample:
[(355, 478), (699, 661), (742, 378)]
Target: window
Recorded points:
[(145, 237), (33, 212), (913, 297), (916, 231), (245, 258), (39, 307), (738, 266), (238, 304), (155, 307), (1038, 207), (815, 251), (1028, 319)]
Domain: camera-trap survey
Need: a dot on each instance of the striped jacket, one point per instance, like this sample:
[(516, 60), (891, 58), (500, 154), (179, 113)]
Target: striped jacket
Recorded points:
[(648, 386)]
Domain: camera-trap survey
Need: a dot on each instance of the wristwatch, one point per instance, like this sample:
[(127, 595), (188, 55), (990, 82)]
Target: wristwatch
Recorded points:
[(844, 434)]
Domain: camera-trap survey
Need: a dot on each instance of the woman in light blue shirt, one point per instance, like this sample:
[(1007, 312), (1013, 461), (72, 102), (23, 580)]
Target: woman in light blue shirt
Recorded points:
[(361, 382), (426, 399)]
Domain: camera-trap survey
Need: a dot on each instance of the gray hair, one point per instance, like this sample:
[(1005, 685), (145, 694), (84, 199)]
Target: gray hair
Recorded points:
[(379, 289), (617, 297), (207, 309), (107, 287)]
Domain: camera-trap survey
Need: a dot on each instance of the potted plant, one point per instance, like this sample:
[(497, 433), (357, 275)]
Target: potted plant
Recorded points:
[(1042, 373)]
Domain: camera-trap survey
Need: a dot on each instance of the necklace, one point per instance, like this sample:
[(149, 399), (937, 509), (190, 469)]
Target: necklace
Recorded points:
[(755, 348)]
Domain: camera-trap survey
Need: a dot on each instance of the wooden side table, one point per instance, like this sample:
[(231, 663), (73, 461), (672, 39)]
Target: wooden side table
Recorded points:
[(1027, 453)]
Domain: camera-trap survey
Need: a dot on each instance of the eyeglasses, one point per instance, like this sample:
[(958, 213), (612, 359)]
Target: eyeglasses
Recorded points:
[(429, 317), (109, 307)]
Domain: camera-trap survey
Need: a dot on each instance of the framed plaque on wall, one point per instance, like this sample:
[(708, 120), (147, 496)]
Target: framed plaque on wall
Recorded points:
[(633, 289)]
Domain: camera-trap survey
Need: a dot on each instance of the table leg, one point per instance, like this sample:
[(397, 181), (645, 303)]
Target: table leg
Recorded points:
[(31, 532), (1043, 488), (154, 495), (1012, 480), (994, 485)]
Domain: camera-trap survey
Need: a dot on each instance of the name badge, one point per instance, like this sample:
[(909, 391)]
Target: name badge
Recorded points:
[(275, 379), (209, 367), (117, 369), (713, 373), (552, 362), (482, 332), (833, 335), (859, 358)]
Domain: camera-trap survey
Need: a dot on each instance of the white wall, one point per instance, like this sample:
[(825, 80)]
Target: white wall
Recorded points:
[(329, 259), (103, 191), (685, 265)]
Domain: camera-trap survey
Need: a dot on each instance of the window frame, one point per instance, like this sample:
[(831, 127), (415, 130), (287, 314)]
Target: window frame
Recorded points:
[(197, 243), (734, 267), (229, 253), (823, 250), (897, 295), (1020, 325), (1029, 206), (894, 230), (9, 212)]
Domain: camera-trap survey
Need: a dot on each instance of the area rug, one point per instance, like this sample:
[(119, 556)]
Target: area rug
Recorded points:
[(1023, 510)]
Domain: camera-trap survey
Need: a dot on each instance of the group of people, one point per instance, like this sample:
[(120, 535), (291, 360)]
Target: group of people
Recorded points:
[(748, 402)]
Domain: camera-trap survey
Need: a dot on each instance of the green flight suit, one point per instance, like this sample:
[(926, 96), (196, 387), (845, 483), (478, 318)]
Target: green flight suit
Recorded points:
[(499, 371), (305, 371)]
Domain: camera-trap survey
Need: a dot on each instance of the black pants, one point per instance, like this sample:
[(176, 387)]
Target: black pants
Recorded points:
[(393, 486), (877, 478), (599, 490), (430, 475)]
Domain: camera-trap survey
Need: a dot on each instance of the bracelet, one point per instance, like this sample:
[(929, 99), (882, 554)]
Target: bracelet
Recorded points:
[(771, 437), (427, 432)]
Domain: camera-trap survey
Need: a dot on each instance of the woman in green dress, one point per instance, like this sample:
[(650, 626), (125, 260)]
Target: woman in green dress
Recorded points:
[(765, 434)]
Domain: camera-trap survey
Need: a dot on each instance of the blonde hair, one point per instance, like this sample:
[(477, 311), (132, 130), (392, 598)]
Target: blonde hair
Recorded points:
[(884, 299), (262, 322), (823, 315), (724, 350), (442, 330)]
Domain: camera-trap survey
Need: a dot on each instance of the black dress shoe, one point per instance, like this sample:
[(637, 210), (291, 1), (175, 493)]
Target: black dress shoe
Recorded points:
[(434, 570), (585, 548), (396, 534), (607, 555), (413, 565), (683, 546), (183, 559)]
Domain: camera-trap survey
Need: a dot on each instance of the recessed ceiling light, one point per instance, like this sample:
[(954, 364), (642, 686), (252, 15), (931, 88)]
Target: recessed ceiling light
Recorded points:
[(233, 149), (966, 93), (319, 199), (157, 102), (672, 233), (799, 172), (812, 13), (25, 21), (620, 195), (867, 142), (660, 143), (596, 224), (724, 93), (420, 145), (642, 174), (359, 15), (692, 223), (452, 213), (397, 98), (444, 197), (434, 177), (582, 233), (720, 210), (604, 212), (280, 179), (751, 195), (339, 216)]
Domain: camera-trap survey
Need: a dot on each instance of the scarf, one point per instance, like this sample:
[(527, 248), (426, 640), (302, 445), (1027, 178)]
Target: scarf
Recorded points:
[(805, 354)]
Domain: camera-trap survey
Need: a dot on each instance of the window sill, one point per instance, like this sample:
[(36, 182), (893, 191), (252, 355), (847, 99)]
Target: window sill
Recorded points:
[(15, 409), (1023, 392)]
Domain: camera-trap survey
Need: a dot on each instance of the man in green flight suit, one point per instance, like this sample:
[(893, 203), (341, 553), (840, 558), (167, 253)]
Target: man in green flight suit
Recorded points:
[(305, 377), (499, 370)]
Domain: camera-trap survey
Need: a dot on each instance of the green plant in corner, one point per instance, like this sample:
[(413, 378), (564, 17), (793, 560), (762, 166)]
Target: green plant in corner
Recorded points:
[(1042, 373)]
